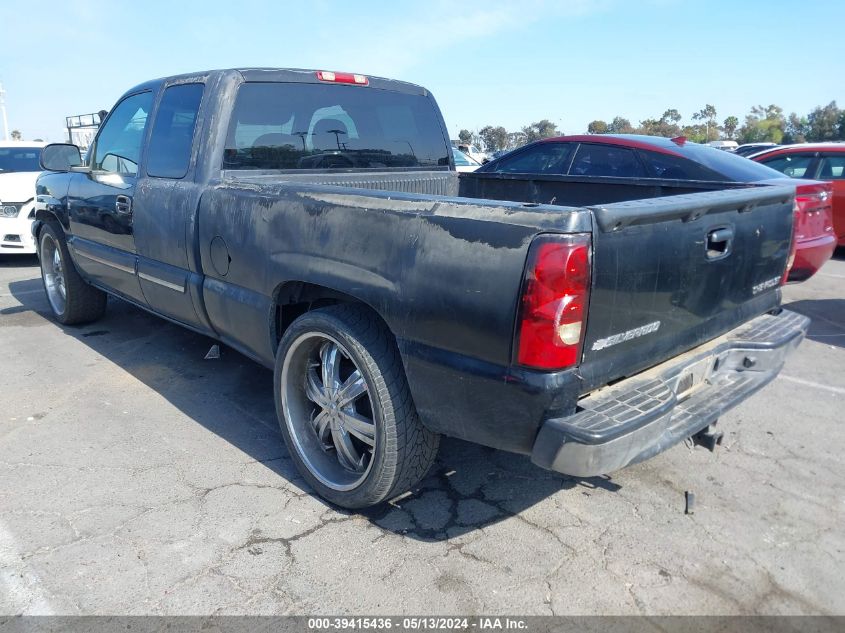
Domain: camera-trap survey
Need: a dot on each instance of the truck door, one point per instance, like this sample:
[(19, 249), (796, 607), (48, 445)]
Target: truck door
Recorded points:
[(101, 200), (166, 201)]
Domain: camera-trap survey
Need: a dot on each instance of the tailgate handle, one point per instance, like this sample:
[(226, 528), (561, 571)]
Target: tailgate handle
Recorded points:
[(719, 242)]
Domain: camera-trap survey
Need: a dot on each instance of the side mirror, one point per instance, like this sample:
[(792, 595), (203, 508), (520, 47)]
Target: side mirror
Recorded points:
[(60, 157)]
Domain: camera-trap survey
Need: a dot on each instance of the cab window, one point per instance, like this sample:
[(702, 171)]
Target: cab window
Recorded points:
[(169, 152), (119, 141)]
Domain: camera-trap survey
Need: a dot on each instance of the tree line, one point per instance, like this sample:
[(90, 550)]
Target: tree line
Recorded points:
[(762, 124)]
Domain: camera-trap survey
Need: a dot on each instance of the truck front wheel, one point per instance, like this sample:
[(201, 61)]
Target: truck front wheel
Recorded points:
[(345, 409), (71, 299)]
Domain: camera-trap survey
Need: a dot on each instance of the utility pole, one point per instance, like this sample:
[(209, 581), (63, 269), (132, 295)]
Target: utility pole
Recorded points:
[(3, 111)]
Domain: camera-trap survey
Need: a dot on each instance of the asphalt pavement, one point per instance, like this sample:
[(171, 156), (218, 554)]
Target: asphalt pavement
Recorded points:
[(138, 478)]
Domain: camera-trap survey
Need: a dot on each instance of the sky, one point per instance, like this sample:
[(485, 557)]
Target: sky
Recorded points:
[(487, 62)]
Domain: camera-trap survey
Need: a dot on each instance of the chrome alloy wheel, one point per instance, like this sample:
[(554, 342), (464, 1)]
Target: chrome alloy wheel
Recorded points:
[(328, 411), (52, 269)]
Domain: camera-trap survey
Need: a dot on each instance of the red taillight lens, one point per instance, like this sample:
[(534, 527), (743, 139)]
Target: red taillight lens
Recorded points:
[(553, 309), (342, 78)]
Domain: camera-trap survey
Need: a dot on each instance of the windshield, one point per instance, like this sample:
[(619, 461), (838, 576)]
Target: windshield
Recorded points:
[(731, 166), (19, 159)]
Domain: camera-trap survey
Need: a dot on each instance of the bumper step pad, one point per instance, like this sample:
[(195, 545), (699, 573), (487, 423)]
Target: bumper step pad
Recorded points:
[(641, 416)]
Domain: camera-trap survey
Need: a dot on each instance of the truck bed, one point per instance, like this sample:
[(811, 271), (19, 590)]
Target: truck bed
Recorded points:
[(459, 318)]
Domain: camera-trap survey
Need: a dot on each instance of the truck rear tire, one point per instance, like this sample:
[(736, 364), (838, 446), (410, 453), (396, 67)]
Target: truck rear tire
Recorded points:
[(345, 409), (71, 299)]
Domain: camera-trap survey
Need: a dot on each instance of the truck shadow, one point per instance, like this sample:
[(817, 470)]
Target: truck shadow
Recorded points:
[(828, 319), (468, 488), (18, 261)]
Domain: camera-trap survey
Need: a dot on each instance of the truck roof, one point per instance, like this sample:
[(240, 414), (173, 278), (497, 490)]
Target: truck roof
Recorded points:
[(290, 75)]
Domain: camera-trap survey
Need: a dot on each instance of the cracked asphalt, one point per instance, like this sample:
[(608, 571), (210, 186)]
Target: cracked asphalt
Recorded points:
[(138, 478)]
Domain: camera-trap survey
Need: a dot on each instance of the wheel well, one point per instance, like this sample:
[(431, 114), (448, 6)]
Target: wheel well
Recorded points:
[(293, 299), (45, 217)]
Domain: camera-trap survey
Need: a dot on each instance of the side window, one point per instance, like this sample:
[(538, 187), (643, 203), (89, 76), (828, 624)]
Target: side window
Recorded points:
[(119, 141), (832, 167), (544, 158), (606, 160), (169, 152), (792, 165), (668, 167)]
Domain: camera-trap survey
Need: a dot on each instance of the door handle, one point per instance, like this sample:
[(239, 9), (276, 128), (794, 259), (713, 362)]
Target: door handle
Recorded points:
[(123, 205)]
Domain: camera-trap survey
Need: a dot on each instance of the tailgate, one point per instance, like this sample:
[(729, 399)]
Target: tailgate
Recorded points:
[(672, 273)]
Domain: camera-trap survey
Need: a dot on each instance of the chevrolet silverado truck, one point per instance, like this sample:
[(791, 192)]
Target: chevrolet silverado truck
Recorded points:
[(314, 221)]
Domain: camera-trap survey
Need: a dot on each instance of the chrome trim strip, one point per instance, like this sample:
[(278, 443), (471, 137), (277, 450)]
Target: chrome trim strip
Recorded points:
[(162, 282), (105, 262)]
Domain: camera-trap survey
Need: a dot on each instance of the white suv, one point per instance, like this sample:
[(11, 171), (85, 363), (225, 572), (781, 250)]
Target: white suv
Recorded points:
[(18, 170)]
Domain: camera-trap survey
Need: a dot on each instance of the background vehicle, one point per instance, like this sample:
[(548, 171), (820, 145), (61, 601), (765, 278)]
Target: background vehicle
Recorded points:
[(464, 163), (392, 305), (752, 148), (499, 153), (728, 146), (18, 170), (474, 153), (821, 161), (643, 166)]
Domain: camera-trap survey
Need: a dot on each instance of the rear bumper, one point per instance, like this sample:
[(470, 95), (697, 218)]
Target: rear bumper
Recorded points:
[(644, 415), (810, 255)]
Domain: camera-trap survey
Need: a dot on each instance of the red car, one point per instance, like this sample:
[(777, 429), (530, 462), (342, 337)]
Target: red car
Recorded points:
[(821, 161), (638, 157)]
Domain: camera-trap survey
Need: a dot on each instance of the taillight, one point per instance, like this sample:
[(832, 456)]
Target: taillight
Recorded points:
[(342, 78), (814, 199), (553, 310)]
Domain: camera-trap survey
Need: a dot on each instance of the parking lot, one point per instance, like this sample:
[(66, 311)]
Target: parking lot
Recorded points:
[(137, 477)]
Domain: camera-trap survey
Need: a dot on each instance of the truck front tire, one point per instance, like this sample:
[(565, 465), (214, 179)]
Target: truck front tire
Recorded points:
[(70, 298), (345, 409)]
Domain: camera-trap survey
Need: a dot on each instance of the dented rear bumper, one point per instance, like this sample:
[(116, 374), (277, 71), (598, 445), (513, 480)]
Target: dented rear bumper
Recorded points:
[(644, 415)]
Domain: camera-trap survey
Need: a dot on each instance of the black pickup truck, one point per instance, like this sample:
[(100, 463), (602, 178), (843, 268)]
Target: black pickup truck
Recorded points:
[(314, 222)]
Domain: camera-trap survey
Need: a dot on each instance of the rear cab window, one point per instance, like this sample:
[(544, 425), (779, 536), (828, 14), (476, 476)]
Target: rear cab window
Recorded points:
[(293, 126)]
